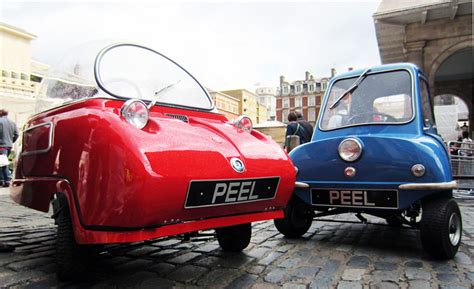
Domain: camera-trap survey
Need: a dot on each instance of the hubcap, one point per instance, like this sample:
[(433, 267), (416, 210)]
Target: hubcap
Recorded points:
[(454, 229)]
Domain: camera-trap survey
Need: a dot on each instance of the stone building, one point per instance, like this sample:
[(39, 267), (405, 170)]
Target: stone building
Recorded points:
[(301, 95), (226, 104), (437, 36), (21, 75), (250, 104), (266, 96)]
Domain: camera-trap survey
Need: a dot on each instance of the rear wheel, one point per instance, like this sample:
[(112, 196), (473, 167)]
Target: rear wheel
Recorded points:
[(72, 259), (234, 238), (298, 219), (441, 228)]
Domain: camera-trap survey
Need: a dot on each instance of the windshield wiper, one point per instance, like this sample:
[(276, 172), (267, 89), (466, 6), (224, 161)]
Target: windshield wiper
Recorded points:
[(352, 88), (164, 89)]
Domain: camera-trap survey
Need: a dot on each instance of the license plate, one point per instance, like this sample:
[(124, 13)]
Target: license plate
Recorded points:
[(227, 192), (385, 199)]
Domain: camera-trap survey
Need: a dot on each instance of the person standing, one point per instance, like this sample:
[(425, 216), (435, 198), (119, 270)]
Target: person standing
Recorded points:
[(467, 146), (8, 135), (306, 125), (294, 129)]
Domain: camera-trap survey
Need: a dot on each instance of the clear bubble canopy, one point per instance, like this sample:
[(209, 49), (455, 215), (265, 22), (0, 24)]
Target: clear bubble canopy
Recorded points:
[(122, 71)]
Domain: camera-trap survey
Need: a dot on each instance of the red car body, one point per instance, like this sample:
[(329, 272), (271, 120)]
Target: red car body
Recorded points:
[(125, 184)]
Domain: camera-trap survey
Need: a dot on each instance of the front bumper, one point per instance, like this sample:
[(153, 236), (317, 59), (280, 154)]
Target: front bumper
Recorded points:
[(408, 193)]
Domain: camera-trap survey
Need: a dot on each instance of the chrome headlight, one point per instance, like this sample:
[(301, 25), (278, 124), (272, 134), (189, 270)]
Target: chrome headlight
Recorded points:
[(244, 123), (135, 113), (350, 149), (418, 170)]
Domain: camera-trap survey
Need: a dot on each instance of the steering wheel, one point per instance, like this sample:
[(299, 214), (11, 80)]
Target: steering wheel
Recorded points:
[(371, 117)]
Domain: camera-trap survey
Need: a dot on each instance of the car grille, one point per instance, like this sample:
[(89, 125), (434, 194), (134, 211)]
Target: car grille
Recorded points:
[(178, 116)]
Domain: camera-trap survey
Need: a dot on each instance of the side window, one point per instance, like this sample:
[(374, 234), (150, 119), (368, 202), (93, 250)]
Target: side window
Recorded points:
[(426, 104)]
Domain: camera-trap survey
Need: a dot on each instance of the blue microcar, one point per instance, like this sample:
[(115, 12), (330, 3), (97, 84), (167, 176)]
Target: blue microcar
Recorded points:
[(375, 150)]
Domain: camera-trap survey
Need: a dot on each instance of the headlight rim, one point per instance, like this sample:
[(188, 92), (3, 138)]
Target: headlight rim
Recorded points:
[(238, 123), (359, 144), (127, 105)]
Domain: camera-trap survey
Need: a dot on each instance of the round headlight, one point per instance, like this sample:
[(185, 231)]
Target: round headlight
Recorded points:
[(350, 149), (244, 122), (418, 170), (135, 113)]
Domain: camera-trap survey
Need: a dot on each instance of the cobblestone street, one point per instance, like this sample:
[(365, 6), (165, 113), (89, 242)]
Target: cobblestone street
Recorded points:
[(334, 255)]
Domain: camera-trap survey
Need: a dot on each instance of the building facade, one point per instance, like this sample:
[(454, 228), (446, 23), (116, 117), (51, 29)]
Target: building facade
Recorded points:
[(267, 97), (21, 75), (250, 105), (226, 104), (436, 35), (301, 95)]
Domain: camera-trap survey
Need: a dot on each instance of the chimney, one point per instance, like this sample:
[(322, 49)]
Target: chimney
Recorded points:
[(282, 79), (307, 74), (333, 72), (350, 68)]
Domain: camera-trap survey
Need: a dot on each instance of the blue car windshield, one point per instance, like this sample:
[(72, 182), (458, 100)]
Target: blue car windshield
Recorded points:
[(380, 98)]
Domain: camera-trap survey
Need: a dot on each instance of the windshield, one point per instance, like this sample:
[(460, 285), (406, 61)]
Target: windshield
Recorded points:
[(131, 71), (380, 98)]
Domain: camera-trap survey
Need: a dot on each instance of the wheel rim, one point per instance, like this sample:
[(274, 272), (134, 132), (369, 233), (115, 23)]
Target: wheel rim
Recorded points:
[(454, 228)]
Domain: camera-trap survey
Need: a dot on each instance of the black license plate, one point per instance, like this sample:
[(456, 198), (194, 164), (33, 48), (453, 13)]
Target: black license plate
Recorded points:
[(355, 198), (227, 192)]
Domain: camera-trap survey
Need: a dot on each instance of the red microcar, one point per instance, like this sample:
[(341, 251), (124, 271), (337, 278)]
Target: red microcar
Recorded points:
[(127, 146)]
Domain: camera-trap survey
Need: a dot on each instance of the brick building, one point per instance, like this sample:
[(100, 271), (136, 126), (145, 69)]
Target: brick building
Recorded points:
[(301, 95)]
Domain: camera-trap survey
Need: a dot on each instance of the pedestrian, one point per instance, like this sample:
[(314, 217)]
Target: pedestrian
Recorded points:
[(8, 135), (306, 125), (467, 146), (294, 129)]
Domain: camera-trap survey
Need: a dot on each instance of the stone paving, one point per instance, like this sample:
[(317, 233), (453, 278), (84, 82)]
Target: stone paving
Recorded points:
[(331, 255)]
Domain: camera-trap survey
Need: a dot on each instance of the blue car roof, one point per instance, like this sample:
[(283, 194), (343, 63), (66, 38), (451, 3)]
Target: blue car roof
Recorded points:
[(403, 65)]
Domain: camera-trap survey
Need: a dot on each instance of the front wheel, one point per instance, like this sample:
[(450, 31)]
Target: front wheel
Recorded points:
[(441, 228), (72, 259), (297, 221), (234, 238)]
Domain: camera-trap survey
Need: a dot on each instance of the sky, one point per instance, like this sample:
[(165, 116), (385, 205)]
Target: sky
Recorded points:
[(225, 45)]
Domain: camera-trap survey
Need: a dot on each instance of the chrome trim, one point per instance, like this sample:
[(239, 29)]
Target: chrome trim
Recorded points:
[(428, 186), (50, 139), (350, 139), (234, 203), (352, 189), (239, 119), (413, 90), (301, 185), (101, 53), (237, 164)]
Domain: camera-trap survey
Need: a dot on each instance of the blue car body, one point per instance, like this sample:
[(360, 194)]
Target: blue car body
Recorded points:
[(388, 153)]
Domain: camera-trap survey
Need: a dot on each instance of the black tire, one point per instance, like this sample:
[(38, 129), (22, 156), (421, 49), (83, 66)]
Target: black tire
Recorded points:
[(234, 238), (72, 259), (298, 219), (393, 221), (441, 228)]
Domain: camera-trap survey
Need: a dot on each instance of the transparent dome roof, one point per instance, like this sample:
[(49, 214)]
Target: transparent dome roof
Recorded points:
[(123, 71)]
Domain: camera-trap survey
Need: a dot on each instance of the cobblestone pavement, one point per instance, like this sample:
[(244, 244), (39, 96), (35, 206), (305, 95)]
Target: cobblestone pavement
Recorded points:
[(334, 255)]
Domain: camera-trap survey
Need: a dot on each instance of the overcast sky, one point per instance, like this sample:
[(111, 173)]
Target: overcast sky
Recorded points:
[(225, 45)]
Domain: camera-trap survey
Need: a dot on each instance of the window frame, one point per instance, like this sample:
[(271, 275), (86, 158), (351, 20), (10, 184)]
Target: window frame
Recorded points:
[(412, 94)]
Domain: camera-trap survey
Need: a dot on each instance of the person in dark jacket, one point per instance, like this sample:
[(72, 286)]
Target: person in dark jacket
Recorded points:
[(8, 135), (295, 128), (306, 125)]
